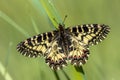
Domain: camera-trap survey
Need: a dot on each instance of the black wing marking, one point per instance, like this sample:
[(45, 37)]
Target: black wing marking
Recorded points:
[(75, 48), (90, 34), (37, 45), (78, 52), (56, 57)]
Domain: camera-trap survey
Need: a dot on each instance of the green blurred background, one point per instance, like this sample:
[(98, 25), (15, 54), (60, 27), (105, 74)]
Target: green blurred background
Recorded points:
[(19, 19)]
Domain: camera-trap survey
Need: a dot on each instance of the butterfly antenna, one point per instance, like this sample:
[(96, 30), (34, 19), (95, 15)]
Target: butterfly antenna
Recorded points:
[(64, 19)]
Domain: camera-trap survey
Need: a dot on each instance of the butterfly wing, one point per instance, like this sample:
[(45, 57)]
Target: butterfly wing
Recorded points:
[(81, 37), (78, 52), (75, 47), (90, 34), (56, 56), (37, 45)]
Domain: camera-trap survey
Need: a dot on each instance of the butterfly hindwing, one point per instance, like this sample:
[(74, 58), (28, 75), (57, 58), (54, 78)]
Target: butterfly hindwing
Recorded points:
[(78, 52), (37, 45), (90, 34), (56, 57)]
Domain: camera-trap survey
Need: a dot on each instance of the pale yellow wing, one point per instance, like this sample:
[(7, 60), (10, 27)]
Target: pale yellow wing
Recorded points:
[(56, 56), (90, 34), (82, 36), (78, 52), (37, 45)]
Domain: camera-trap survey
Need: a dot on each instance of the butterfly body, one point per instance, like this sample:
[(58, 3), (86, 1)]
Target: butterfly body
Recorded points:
[(65, 44)]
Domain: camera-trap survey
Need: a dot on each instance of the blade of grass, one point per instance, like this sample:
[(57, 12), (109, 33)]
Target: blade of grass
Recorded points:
[(38, 6), (77, 73), (51, 12), (3, 70), (15, 25), (8, 54), (4, 73), (67, 77), (80, 70), (56, 74), (35, 26)]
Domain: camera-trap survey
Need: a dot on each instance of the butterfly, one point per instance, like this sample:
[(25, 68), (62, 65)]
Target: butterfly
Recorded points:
[(64, 44)]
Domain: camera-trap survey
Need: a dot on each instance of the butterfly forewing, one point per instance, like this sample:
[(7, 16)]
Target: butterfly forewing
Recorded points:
[(37, 45), (90, 33)]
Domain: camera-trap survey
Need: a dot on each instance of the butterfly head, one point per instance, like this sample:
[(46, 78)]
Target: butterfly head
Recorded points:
[(61, 27)]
